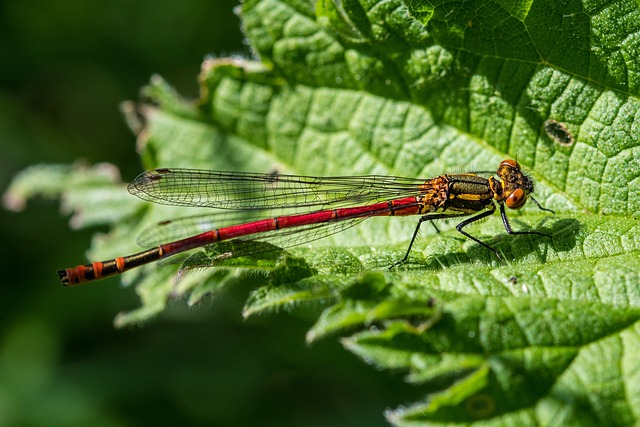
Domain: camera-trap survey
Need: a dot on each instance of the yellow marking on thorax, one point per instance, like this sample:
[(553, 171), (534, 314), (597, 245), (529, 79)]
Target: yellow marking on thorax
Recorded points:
[(467, 196)]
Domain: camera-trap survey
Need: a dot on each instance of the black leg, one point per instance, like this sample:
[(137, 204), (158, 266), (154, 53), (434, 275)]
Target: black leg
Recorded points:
[(415, 234), (466, 222), (507, 226), (413, 239)]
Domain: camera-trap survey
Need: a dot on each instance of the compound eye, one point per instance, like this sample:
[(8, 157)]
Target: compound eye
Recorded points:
[(510, 163), (516, 199)]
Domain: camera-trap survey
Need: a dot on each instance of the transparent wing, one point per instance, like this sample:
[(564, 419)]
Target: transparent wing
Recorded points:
[(254, 191)]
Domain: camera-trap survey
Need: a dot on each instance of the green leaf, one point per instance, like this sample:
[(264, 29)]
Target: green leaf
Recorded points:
[(419, 89)]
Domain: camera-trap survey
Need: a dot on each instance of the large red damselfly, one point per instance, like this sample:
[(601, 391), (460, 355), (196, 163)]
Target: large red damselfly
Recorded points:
[(311, 207)]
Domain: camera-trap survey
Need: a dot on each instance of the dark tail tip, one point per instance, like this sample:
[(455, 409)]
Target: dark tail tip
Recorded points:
[(64, 277)]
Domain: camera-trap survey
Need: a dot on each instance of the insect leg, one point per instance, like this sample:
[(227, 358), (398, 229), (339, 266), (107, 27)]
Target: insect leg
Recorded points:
[(507, 226), (468, 221), (415, 234), (413, 239)]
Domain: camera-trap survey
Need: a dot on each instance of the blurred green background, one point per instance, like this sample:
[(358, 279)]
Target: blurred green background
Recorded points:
[(65, 66)]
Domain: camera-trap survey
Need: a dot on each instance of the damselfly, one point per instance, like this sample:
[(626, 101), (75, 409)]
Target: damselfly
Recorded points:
[(311, 207)]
